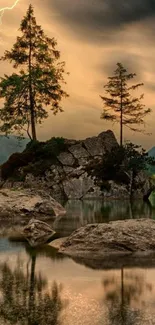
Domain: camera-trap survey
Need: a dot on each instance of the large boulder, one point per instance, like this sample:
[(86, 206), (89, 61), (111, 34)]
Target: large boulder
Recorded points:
[(96, 146), (118, 237), (38, 233), (28, 203)]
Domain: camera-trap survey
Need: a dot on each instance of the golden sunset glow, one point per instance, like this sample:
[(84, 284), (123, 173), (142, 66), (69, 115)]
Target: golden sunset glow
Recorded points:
[(92, 37)]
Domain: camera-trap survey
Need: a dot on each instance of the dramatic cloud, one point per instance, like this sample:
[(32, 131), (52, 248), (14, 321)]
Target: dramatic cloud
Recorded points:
[(92, 35), (102, 18)]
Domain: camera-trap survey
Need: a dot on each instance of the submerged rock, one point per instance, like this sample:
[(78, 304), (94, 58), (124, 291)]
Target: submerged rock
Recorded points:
[(95, 241), (28, 203), (38, 232)]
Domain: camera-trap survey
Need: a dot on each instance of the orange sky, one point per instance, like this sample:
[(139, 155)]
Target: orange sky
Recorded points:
[(92, 37)]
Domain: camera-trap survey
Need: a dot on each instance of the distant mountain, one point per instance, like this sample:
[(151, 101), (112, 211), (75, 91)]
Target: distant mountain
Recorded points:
[(10, 145), (151, 153)]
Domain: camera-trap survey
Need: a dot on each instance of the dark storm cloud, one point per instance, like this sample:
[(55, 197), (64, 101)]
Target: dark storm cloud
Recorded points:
[(132, 62), (94, 16)]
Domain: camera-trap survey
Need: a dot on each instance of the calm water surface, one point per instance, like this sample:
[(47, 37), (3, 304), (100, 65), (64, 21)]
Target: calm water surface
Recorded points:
[(39, 287)]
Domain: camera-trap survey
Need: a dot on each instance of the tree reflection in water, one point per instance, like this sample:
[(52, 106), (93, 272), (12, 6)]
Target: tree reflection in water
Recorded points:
[(122, 296), (25, 298)]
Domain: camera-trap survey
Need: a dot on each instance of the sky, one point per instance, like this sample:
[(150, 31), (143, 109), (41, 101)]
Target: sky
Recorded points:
[(92, 36)]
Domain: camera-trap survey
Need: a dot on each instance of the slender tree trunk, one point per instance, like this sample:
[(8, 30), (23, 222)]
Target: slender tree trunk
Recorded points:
[(121, 128), (121, 116), (32, 113), (122, 286), (122, 297), (131, 183), (32, 291), (33, 127)]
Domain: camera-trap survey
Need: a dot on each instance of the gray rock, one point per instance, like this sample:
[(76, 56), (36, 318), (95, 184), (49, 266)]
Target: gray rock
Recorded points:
[(78, 172), (66, 158), (116, 191), (73, 172), (96, 146), (119, 237), (28, 203), (94, 192), (76, 188), (108, 140), (68, 170), (83, 161), (58, 192), (38, 232), (78, 151), (143, 186), (71, 142)]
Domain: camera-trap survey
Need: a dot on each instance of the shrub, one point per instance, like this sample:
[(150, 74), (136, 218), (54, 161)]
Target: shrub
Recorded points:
[(119, 162), (36, 158), (15, 161)]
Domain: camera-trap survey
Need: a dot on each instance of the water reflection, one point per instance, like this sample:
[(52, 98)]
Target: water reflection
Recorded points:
[(124, 298), (80, 213), (30, 293), (25, 298)]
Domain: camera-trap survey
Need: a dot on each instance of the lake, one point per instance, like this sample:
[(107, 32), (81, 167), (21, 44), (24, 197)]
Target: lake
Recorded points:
[(41, 286)]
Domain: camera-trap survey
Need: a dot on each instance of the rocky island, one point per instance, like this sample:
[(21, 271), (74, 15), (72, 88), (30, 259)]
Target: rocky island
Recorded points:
[(74, 169), (46, 172)]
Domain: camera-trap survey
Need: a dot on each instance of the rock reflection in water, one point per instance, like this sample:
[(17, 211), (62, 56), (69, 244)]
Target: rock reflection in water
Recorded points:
[(25, 298), (80, 213), (124, 298)]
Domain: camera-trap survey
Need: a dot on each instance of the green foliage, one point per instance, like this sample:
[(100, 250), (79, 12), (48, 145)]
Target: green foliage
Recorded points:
[(119, 105), (36, 159), (38, 84), (54, 146), (48, 149), (16, 161), (105, 185), (121, 160), (45, 155)]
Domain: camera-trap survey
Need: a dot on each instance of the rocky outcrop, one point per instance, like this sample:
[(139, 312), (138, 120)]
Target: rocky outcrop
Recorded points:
[(38, 233), (25, 203), (115, 238), (66, 176), (63, 168)]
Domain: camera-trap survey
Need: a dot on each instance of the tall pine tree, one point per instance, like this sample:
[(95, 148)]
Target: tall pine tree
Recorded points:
[(120, 106), (37, 84)]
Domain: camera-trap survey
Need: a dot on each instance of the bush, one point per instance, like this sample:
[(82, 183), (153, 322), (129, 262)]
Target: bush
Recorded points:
[(36, 158), (15, 161), (119, 162), (48, 149), (105, 186)]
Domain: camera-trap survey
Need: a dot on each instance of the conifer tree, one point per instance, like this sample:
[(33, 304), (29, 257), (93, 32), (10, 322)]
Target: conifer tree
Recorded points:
[(120, 105), (37, 82)]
